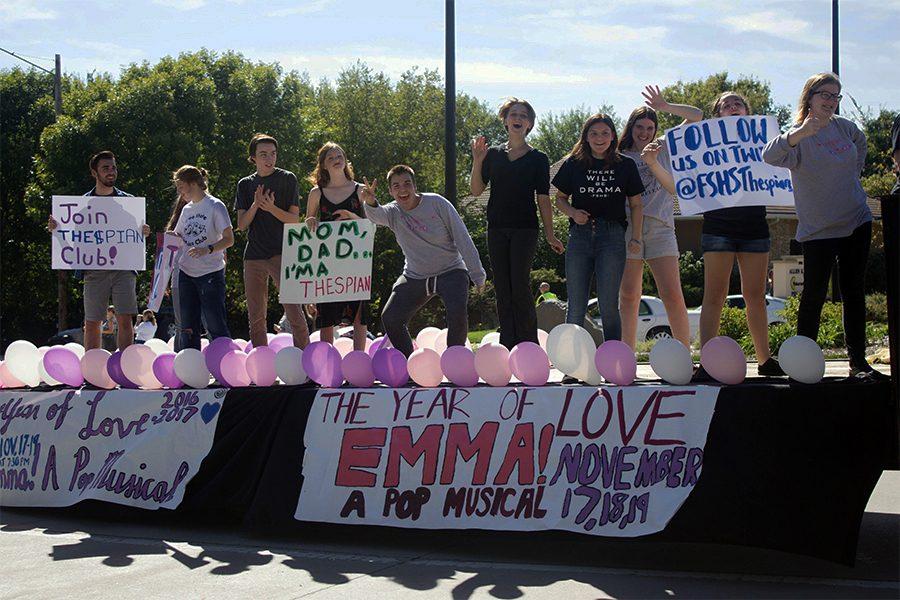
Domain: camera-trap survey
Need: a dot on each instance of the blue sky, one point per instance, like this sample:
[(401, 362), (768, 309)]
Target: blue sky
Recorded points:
[(558, 54)]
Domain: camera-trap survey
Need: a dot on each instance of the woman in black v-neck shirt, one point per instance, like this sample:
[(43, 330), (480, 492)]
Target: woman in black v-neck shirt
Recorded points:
[(335, 198), (517, 173)]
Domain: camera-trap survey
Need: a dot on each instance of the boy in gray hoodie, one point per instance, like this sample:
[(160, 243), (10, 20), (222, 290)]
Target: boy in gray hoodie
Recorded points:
[(440, 257)]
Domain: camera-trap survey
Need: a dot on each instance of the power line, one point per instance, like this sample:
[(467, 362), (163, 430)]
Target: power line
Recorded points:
[(21, 57)]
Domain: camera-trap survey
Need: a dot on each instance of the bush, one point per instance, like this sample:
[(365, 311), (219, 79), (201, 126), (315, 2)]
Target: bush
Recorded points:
[(691, 271), (733, 323), (876, 308)]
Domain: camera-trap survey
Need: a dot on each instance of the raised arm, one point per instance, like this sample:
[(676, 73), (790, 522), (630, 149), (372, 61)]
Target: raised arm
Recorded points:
[(654, 99), (650, 155), (479, 152), (312, 208)]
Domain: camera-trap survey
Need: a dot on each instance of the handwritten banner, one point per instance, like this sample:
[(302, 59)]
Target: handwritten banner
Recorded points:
[(98, 232), (332, 263), (605, 461), (167, 247), (133, 447), (718, 164)]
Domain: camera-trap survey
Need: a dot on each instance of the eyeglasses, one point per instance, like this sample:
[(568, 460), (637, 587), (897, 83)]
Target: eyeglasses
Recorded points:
[(829, 96)]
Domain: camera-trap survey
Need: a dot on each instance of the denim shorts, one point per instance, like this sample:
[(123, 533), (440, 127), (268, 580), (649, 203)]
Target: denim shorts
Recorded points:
[(724, 243)]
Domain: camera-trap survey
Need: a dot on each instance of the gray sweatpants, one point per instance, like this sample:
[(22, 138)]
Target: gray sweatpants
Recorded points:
[(409, 295)]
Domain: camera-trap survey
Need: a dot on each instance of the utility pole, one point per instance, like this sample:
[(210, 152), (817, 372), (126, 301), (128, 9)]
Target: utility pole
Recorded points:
[(836, 69), (62, 284), (450, 102)]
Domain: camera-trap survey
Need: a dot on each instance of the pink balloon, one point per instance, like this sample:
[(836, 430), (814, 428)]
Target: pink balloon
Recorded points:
[(93, 367), (344, 346), (282, 340), (424, 366), (542, 339), (615, 362), (9, 380), (217, 349), (164, 370), (356, 367), (492, 364), (389, 366), (458, 365), (261, 366), (137, 365), (530, 364), (64, 366), (234, 369), (322, 362), (724, 360)]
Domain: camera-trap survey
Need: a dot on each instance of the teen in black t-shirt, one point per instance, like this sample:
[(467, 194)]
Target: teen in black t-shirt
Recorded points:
[(517, 172), (265, 201), (599, 181)]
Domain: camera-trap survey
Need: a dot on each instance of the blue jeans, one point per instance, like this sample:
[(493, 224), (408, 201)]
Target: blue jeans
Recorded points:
[(596, 248), (201, 300)]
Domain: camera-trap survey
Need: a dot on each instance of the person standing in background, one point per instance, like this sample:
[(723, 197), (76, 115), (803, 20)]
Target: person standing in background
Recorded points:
[(146, 329)]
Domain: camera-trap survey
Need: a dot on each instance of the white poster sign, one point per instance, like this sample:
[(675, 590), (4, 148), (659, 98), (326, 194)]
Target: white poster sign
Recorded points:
[(99, 232), (167, 247), (718, 164), (332, 263), (604, 461), (134, 447)]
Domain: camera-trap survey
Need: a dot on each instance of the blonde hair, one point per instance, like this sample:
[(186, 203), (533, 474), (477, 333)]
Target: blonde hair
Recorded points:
[(812, 86), (512, 101)]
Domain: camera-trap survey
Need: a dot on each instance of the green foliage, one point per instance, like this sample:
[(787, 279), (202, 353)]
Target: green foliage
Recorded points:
[(702, 93), (733, 323), (876, 308), (691, 272)]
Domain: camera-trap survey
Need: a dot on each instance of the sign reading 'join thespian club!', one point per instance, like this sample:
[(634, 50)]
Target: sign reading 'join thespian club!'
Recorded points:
[(612, 461), (331, 263), (98, 232)]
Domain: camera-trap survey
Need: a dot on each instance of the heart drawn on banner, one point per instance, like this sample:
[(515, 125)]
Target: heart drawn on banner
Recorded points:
[(209, 411)]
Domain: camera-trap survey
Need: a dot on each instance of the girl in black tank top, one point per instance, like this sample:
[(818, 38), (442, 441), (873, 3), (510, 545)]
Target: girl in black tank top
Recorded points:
[(333, 172)]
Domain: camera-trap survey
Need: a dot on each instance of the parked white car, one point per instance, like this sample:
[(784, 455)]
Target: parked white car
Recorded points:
[(653, 322), (774, 306)]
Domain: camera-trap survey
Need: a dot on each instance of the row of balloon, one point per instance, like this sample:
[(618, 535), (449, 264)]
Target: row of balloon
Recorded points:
[(236, 363)]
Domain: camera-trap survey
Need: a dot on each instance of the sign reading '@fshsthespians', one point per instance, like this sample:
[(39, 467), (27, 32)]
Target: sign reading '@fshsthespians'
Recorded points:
[(331, 263), (99, 232), (718, 164)]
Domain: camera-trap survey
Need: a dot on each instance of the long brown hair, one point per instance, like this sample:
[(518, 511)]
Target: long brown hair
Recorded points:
[(641, 112), (188, 174), (581, 151), (812, 86), (319, 175)]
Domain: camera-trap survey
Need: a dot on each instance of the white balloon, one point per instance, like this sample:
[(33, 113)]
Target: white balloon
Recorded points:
[(158, 346), (315, 336), (22, 360), (190, 366), (542, 339), (45, 377), (802, 359), (571, 350), (344, 346), (77, 348), (672, 361), (171, 344), (491, 338), (426, 337), (440, 344), (289, 366)]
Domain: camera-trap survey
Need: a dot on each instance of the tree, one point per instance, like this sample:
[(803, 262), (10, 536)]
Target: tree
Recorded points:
[(703, 93), (877, 177)]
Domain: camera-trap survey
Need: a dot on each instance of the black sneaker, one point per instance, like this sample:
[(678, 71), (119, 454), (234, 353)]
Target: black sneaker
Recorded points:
[(701, 376), (569, 380), (770, 368), (867, 373)]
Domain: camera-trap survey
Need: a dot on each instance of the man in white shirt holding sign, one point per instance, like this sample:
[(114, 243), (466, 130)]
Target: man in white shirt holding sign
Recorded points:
[(99, 285)]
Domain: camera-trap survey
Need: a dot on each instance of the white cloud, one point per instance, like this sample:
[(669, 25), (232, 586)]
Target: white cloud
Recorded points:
[(24, 10), (768, 21), (181, 4), (305, 8)]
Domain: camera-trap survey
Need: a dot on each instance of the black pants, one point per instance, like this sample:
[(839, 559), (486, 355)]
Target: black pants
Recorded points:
[(512, 254), (851, 252), (409, 295)]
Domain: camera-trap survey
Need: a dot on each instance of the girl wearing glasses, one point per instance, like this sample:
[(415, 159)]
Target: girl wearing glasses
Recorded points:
[(826, 154)]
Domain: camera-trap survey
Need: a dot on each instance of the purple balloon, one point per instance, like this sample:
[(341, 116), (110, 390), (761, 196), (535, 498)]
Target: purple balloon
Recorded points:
[(114, 368), (389, 366), (64, 366), (615, 361), (530, 364), (164, 370), (357, 369), (322, 362), (458, 365), (218, 348), (282, 340), (377, 344)]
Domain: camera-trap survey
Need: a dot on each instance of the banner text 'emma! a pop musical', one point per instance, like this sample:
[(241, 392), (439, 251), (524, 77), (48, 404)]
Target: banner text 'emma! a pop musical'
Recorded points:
[(604, 461)]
